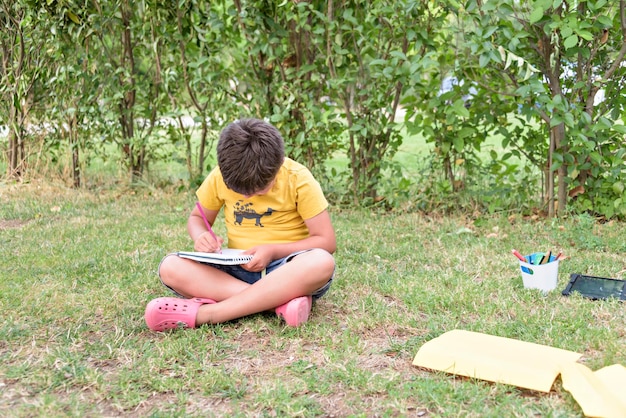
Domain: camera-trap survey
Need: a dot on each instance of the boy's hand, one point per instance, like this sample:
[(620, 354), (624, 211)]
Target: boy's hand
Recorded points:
[(205, 243), (263, 255)]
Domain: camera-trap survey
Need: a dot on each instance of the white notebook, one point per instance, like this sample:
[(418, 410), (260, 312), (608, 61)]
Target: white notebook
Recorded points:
[(229, 256)]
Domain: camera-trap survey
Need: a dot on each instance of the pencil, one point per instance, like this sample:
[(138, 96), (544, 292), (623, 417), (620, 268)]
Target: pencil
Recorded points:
[(206, 222)]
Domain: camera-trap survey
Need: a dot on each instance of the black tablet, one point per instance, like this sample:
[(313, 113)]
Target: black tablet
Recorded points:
[(596, 287)]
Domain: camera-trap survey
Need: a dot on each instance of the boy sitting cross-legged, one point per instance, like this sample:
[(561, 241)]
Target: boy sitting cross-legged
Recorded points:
[(275, 210)]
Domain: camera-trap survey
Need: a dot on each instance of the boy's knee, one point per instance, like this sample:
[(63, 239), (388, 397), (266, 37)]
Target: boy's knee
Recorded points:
[(321, 260), (168, 266)]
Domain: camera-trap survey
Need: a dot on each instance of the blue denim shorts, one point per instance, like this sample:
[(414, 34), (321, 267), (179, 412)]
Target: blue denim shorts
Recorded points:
[(252, 277)]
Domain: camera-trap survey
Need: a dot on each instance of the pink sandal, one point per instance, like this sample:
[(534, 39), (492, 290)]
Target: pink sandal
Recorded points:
[(296, 311), (168, 313)]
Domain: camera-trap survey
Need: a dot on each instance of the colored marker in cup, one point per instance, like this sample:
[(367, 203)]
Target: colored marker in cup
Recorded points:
[(518, 255)]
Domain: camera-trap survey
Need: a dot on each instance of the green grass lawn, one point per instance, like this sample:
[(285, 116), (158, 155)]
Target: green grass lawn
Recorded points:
[(78, 268)]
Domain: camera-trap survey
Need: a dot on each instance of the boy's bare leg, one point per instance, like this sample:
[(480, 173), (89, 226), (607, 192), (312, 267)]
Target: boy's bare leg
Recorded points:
[(301, 276), (196, 280)]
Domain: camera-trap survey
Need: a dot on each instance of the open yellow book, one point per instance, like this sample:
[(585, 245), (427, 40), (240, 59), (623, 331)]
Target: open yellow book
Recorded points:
[(527, 365)]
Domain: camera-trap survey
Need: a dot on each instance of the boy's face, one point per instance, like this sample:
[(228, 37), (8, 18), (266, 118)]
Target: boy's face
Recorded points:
[(261, 192)]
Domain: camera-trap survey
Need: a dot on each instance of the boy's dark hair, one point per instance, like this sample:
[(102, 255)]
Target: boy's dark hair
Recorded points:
[(249, 153)]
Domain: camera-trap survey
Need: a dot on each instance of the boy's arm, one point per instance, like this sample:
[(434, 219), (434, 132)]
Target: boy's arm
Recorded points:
[(321, 233)]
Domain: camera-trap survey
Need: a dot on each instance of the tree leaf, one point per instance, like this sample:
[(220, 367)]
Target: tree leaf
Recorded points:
[(570, 41), (536, 15), (73, 17)]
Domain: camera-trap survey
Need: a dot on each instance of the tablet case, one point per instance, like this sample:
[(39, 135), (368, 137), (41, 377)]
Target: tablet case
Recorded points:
[(593, 287)]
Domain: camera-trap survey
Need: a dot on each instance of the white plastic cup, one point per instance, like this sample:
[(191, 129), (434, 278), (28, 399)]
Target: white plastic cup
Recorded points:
[(540, 276)]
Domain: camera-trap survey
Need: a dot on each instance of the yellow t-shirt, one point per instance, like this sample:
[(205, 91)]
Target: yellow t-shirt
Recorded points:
[(276, 217)]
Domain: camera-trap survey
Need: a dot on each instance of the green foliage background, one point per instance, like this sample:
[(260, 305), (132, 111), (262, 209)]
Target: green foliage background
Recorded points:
[(520, 104)]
